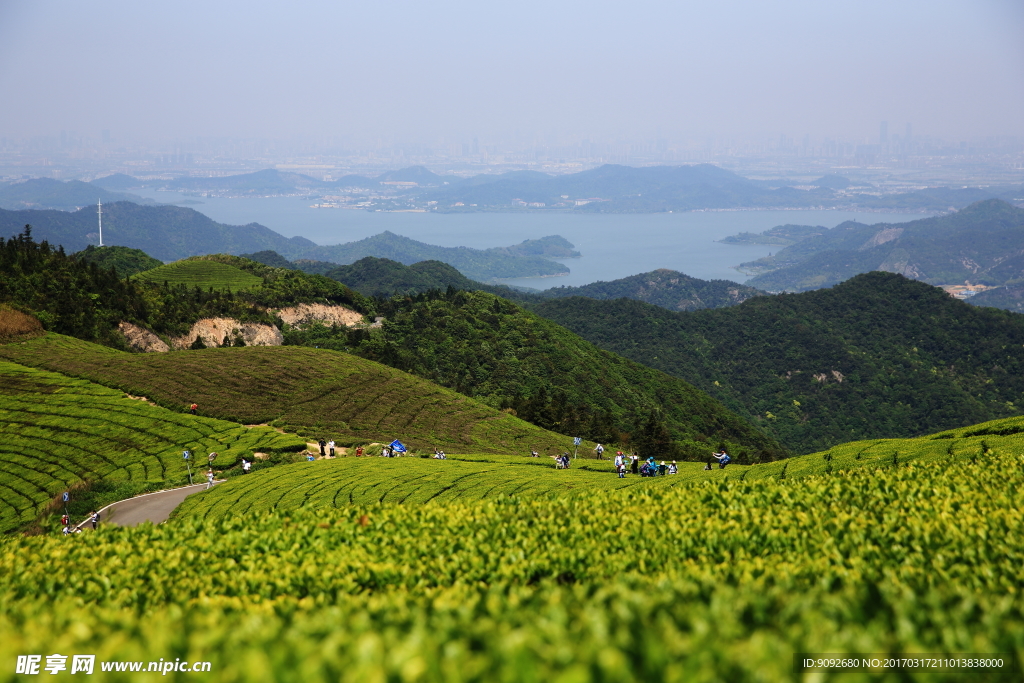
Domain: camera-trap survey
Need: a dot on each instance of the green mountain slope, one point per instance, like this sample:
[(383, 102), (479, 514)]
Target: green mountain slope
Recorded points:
[(314, 392), (983, 244), (876, 356), (490, 348)]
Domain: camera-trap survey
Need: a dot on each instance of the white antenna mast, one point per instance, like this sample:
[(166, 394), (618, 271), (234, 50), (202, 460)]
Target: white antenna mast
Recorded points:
[(99, 212)]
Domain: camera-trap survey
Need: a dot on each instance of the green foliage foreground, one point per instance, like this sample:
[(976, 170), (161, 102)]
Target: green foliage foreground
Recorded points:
[(718, 582)]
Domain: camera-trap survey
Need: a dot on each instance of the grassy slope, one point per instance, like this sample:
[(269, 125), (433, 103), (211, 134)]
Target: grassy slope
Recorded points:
[(58, 433), (203, 274), (314, 392)]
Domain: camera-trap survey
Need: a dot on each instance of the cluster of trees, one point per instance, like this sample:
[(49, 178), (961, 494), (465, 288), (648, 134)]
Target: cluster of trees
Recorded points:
[(74, 295)]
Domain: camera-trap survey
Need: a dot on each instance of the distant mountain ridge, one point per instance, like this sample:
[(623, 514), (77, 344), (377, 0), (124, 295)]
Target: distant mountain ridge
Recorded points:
[(983, 244), (607, 189), (170, 233), (46, 193), (384, 277)]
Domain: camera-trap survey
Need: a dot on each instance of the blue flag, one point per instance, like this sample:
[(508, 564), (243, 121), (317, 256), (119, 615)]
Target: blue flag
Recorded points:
[(397, 446)]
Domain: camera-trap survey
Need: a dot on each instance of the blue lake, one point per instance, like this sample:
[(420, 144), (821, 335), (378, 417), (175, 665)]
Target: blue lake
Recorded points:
[(612, 245)]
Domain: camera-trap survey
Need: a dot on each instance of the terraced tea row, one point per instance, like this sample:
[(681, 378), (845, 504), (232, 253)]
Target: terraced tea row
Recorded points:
[(976, 444), (348, 482), (311, 391), (58, 433), (719, 581), (203, 274)]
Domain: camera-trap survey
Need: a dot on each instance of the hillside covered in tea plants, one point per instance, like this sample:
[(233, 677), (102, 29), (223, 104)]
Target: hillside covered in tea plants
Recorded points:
[(725, 580)]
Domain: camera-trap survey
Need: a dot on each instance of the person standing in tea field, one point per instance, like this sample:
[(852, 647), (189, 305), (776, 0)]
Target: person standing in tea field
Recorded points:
[(672, 469), (193, 408), (323, 445), (330, 447), (723, 459)]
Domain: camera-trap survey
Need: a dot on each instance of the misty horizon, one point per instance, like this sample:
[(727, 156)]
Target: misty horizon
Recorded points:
[(524, 76)]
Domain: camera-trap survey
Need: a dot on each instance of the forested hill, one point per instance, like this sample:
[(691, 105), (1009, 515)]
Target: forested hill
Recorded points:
[(877, 356), (983, 243), (666, 288)]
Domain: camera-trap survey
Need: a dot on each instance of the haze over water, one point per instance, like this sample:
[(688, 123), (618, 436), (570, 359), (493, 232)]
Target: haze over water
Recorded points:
[(612, 245)]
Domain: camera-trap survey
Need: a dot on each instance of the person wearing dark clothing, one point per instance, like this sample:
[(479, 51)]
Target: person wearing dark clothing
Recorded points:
[(323, 444), (636, 465)]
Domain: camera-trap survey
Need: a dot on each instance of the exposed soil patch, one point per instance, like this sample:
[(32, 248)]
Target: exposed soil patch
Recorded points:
[(305, 314), (142, 340), (214, 330)]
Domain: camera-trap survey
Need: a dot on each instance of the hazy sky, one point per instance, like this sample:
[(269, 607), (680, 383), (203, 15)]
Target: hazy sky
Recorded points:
[(422, 70)]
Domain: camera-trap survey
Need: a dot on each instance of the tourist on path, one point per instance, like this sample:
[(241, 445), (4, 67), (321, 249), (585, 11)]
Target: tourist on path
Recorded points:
[(330, 447), (323, 444), (95, 519), (209, 479)]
